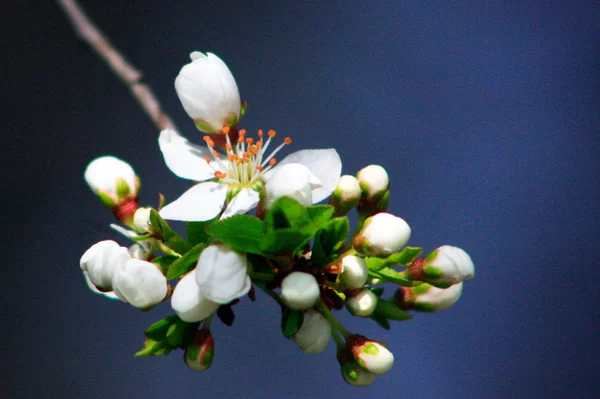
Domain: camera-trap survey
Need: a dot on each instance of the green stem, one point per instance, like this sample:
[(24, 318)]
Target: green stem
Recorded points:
[(338, 340), (333, 322), (207, 321), (269, 292), (166, 249), (359, 225), (262, 276)]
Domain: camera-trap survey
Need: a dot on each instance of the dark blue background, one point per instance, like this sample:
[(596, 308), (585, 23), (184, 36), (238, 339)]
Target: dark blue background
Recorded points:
[(486, 115)]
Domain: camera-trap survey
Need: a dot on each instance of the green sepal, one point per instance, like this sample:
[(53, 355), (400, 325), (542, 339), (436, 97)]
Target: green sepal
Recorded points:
[(161, 201), (167, 334), (243, 233), (291, 321), (382, 321), (404, 258), (141, 237), (123, 189), (392, 276), (165, 261), (106, 199), (388, 310), (185, 263), (204, 127), (158, 330), (153, 348), (231, 120), (197, 231), (167, 235), (377, 291), (329, 239), (243, 108)]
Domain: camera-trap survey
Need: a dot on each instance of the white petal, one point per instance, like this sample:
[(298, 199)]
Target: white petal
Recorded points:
[(189, 303), (241, 203), (222, 273), (92, 287), (184, 159), (324, 164), (202, 202)]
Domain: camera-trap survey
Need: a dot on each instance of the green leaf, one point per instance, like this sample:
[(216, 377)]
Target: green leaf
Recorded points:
[(197, 231), (152, 348), (392, 276), (186, 263), (284, 241), (243, 233), (382, 321), (389, 310), (165, 261), (291, 321), (404, 258), (176, 332), (319, 215), (285, 213), (168, 236), (158, 330), (329, 239)]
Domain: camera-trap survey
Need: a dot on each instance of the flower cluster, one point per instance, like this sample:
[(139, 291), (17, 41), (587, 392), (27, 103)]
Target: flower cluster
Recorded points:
[(254, 223)]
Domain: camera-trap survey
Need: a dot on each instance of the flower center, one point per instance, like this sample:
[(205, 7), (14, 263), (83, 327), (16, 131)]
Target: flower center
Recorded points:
[(246, 162)]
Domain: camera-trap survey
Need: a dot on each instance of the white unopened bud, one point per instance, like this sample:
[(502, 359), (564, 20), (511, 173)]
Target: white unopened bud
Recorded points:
[(101, 262), (314, 334), (112, 179), (346, 195), (374, 182), (140, 283), (357, 376), (222, 273), (208, 92), (291, 180), (370, 355), (362, 303), (299, 290), (382, 235), (427, 298), (443, 267), (354, 272), (188, 301), (141, 220)]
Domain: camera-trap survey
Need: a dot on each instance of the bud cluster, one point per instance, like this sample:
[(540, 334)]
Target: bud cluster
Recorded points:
[(302, 254)]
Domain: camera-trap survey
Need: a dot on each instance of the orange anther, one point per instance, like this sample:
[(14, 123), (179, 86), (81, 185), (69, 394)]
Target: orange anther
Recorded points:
[(249, 141), (207, 159), (215, 154), (226, 129), (259, 168), (206, 138), (242, 132), (272, 133), (260, 133), (231, 157), (272, 161), (287, 140)]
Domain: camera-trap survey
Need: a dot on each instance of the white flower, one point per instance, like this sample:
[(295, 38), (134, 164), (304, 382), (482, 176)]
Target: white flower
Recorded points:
[(354, 272), (101, 262), (237, 178), (299, 290), (381, 235), (374, 182), (222, 273), (188, 301), (208, 92), (346, 195), (314, 334), (111, 177), (362, 303), (428, 298), (140, 283), (372, 356), (291, 180), (443, 267)]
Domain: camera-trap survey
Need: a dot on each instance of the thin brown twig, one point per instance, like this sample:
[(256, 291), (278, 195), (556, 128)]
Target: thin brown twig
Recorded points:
[(128, 74)]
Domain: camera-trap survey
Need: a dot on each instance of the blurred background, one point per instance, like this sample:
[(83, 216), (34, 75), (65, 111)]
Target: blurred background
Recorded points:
[(486, 115)]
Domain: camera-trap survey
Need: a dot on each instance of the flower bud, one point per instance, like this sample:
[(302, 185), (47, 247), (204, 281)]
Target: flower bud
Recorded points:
[(140, 283), (352, 373), (208, 92), (382, 234), (222, 273), (199, 354), (141, 220), (354, 272), (299, 290), (374, 182), (92, 287), (314, 334), (112, 180), (370, 355), (188, 301), (291, 180), (101, 262), (346, 195), (427, 298), (362, 303), (443, 267)]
